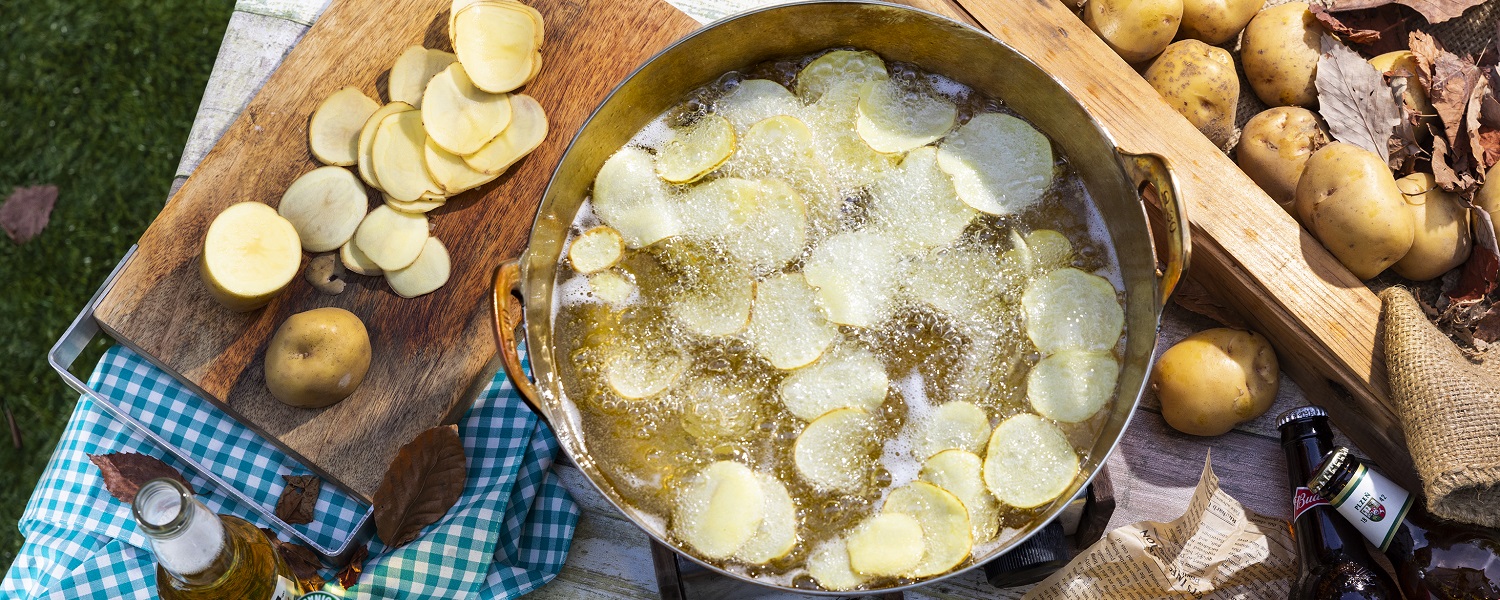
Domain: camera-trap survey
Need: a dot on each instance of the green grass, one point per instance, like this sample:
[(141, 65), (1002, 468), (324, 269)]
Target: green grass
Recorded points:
[(97, 99)]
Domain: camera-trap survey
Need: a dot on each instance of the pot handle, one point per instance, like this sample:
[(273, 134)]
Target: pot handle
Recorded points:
[(1151, 168), (507, 285)]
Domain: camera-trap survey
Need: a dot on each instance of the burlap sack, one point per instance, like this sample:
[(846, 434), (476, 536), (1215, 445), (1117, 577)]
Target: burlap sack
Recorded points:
[(1450, 409)]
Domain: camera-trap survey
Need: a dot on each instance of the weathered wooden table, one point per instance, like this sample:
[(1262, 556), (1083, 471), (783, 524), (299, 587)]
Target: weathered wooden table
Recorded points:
[(1154, 469)]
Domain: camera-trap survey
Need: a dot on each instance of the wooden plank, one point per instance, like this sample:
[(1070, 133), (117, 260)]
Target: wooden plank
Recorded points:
[(430, 352)]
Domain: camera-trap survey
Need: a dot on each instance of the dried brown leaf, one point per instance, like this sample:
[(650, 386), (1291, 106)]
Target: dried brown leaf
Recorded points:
[(299, 499), (125, 472), (1338, 27), (349, 575), (1193, 297), (26, 212), (1489, 130), (1354, 99), (1426, 50), (1435, 11), (1452, 171), (1471, 126), (423, 482), (1478, 276), (1488, 327), (305, 564), (1453, 81)]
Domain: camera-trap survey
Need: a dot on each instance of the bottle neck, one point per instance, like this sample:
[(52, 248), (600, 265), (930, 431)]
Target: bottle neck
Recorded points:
[(187, 538), (1373, 503), (1304, 441)]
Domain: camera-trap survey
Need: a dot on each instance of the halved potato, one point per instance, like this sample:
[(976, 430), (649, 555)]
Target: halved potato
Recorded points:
[(426, 204), (367, 141), (1069, 309), (945, 525), (856, 274), (390, 238), (786, 326), (596, 249), (887, 544), (326, 205), (397, 157), (960, 472), (777, 534), (754, 100), (355, 260), (840, 67), (450, 171), (413, 69), (718, 305), (1028, 462), (829, 565), (696, 150), (613, 288), (955, 425), (833, 451), (916, 202), (719, 509), (527, 129), (1070, 386), (250, 254), (333, 131), (631, 198), (848, 377), (893, 118), (639, 376), (497, 43), (459, 117), (999, 164), (424, 275)]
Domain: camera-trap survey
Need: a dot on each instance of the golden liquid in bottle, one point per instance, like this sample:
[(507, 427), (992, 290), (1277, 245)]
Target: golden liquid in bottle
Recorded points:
[(253, 570)]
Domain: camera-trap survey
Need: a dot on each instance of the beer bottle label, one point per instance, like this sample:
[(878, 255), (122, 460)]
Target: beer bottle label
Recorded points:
[(1375, 505), (1304, 499)]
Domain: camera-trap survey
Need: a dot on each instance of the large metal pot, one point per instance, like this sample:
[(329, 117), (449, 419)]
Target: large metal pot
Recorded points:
[(968, 55)]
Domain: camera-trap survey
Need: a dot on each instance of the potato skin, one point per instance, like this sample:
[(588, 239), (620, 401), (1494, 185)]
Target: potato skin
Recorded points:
[(1216, 379), (1274, 147), (1348, 199), (1280, 53), (1199, 81), (1136, 29), (1216, 21), (1440, 239), (317, 357), (1488, 197)]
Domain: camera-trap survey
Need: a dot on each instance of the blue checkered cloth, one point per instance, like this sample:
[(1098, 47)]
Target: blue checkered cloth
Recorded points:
[(508, 534)]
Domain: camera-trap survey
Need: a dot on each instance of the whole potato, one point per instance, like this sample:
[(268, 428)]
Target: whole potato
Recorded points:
[(1136, 29), (1215, 379), (1199, 81), (1488, 197), (1441, 229), (1274, 147), (1280, 52), (1415, 97), (1348, 199), (317, 357), (1216, 21)]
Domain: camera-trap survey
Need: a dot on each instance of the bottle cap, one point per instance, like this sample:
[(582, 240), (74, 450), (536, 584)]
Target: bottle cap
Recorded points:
[(1301, 412), (1331, 464)]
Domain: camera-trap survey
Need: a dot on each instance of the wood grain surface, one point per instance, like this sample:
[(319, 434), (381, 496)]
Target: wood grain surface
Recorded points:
[(430, 353)]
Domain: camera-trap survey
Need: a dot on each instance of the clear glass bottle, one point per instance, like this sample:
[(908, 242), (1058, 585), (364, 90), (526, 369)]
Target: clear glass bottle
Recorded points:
[(202, 555)]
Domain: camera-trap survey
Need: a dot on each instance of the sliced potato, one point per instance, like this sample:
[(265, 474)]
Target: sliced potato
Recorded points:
[(1070, 386), (966, 284), (424, 275), (631, 198), (721, 208), (896, 119), (355, 260), (833, 451), (333, 131), (848, 377), (596, 249), (718, 305), (955, 425), (917, 203), (459, 117), (1069, 309), (945, 525), (397, 157), (829, 565), (636, 377), (613, 288), (413, 69), (367, 141), (459, 5), (1043, 249), (426, 204), (786, 326), (497, 44), (856, 274), (761, 223), (1028, 462), (696, 150), (527, 129), (777, 534), (450, 171), (782, 148), (719, 509), (840, 67), (390, 238), (887, 544), (250, 254), (754, 100), (325, 205), (999, 164), (960, 472), (849, 161), (718, 407)]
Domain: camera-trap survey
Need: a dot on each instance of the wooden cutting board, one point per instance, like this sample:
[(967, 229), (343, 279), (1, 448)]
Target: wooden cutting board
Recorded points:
[(431, 354)]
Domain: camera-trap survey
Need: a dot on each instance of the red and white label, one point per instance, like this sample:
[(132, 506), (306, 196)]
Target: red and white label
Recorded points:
[(1304, 499)]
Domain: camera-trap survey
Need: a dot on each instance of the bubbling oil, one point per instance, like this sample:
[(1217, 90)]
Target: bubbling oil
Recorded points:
[(725, 405)]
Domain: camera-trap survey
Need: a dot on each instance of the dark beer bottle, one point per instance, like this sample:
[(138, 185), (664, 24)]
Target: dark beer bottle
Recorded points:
[(1333, 562), (1433, 558)]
